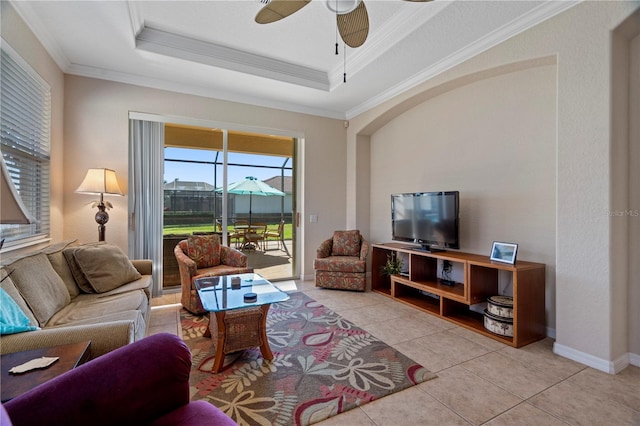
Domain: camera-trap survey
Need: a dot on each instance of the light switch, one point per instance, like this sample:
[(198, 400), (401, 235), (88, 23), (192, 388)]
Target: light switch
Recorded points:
[(313, 218)]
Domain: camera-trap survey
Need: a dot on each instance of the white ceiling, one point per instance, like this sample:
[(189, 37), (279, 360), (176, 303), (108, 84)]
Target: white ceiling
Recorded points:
[(215, 49)]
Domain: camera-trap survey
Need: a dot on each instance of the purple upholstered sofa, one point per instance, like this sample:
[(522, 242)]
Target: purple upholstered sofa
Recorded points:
[(143, 383)]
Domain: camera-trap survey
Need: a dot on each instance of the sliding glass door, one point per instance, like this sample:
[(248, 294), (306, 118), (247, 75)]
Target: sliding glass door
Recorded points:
[(258, 222)]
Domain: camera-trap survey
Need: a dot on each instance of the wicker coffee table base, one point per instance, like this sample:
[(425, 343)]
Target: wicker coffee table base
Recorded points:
[(239, 329)]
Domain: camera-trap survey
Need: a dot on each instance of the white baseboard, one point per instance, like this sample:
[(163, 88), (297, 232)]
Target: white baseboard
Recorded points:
[(610, 367), (621, 363), (634, 359)]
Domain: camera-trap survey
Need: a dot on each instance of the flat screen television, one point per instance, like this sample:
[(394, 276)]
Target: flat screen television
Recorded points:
[(430, 219)]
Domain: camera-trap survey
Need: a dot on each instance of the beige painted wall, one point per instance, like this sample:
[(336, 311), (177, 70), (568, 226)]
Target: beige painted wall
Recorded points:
[(22, 40), (580, 39), (96, 135), (494, 141)]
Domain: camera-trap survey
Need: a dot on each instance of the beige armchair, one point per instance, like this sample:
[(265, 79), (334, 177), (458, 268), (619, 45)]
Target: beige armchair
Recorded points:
[(203, 256), (341, 261)]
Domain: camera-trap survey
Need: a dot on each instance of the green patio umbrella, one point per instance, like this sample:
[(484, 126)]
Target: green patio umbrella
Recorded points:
[(252, 186)]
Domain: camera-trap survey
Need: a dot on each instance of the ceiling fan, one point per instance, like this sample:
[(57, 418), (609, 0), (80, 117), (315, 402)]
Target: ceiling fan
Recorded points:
[(351, 16)]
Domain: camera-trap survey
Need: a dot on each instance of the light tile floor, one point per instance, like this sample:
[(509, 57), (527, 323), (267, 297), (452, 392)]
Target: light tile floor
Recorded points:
[(480, 381)]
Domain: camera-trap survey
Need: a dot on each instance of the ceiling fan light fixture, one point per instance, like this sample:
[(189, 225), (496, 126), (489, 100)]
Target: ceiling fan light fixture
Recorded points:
[(342, 6)]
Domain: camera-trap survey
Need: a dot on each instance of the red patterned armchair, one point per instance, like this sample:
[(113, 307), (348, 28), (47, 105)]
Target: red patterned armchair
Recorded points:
[(203, 256), (341, 261)]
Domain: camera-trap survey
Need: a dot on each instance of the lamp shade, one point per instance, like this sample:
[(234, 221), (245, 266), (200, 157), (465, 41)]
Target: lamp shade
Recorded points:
[(100, 181), (12, 210)]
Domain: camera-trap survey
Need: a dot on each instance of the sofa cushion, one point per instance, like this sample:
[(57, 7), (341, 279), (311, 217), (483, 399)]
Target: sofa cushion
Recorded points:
[(346, 243), (144, 284), (93, 308), (61, 266), (7, 285), (133, 316), (12, 319), (104, 267), (350, 264), (204, 250), (40, 286)]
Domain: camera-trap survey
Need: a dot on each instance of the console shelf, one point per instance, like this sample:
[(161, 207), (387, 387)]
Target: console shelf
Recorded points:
[(423, 289)]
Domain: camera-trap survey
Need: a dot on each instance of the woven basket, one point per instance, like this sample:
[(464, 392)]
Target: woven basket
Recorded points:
[(242, 329)]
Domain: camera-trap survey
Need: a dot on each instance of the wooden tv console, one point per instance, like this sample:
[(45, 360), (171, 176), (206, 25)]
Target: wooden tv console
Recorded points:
[(455, 302)]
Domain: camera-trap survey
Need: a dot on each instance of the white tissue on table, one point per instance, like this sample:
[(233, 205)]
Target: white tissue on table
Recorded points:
[(34, 364)]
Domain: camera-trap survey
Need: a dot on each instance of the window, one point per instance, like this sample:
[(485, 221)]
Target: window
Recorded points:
[(25, 122)]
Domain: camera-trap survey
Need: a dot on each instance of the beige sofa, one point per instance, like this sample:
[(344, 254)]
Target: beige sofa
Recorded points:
[(76, 293)]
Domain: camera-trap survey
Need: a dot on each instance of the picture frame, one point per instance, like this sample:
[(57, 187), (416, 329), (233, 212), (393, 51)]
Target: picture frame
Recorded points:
[(504, 252)]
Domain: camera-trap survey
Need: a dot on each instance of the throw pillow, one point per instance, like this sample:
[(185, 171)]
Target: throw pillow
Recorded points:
[(61, 266), (12, 319), (346, 243), (76, 271), (7, 285), (74, 268), (204, 250), (40, 286), (104, 266)]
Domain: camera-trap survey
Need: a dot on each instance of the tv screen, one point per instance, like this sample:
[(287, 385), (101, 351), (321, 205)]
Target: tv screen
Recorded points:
[(426, 218)]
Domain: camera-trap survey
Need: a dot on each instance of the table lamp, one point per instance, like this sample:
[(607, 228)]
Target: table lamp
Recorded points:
[(100, 181)]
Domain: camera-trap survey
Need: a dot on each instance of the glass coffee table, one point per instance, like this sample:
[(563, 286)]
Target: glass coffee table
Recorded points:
[(238, 322)]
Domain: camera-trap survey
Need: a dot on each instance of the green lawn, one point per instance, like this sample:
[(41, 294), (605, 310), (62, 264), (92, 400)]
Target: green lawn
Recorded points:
[(188, 229)]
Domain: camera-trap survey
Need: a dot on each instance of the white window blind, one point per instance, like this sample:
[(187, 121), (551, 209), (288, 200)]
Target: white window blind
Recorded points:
[(25, 125)]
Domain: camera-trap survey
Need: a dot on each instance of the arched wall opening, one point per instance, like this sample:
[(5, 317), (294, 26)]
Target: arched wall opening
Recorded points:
[(491, 135)]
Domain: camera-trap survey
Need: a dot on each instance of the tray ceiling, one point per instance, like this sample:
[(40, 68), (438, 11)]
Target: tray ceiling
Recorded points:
[(215, 48)]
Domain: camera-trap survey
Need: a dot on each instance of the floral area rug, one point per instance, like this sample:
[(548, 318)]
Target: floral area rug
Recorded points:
[(323, 365)]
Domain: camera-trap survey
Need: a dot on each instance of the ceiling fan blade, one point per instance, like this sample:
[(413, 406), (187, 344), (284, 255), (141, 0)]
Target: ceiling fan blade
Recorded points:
[(354, 26), (278, 9)]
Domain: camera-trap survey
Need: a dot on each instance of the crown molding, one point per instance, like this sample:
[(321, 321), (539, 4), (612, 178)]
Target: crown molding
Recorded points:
[(181, 47), (532, 18), (30, 18), (196, 90), (137, 22)]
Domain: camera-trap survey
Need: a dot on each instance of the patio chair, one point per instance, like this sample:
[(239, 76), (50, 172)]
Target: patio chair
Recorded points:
[(341, 261), (203, 256), (278, 234), (254, 235), (239, 228)]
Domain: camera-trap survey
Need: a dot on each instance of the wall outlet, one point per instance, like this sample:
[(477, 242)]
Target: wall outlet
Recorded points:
[(313, 218)]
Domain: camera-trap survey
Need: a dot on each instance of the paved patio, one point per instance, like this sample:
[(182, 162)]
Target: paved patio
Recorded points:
[(273, 263)]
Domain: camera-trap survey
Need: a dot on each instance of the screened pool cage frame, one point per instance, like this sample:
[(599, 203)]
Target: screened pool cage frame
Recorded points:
[(194, 200)]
